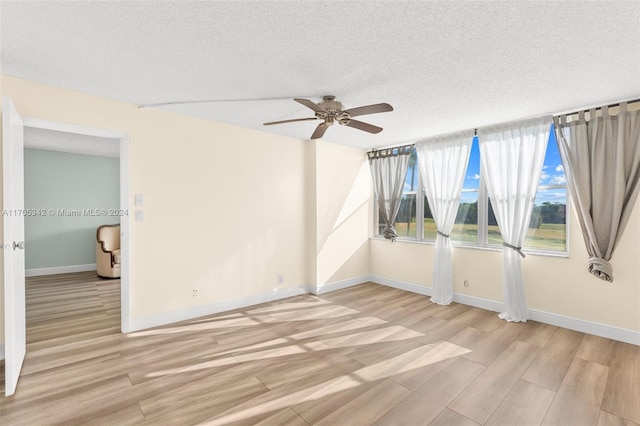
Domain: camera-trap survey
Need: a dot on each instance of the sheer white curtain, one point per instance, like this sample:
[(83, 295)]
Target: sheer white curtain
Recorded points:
[(601, 158), (389, 170), (511, 157), (443, 163)]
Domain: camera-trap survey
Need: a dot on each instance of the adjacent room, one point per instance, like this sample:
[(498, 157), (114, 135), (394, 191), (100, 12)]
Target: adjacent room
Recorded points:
[(340, 213)]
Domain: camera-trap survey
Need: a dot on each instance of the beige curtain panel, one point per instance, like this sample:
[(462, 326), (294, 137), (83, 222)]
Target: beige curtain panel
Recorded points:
[(389, 170), (601, 158)]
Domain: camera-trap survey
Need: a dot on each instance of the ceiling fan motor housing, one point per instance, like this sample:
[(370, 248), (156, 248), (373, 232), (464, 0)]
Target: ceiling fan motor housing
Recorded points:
[(334, 111), (330, 104)]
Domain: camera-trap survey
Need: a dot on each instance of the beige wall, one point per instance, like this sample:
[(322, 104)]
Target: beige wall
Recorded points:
[(225, 207), (552, 284), (343, 187)]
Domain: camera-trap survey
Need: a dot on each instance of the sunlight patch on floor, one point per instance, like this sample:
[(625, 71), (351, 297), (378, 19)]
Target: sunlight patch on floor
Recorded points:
[(411, 360), (195, 367), (287, 306), (386, 334), (351, 324), (313, 313)]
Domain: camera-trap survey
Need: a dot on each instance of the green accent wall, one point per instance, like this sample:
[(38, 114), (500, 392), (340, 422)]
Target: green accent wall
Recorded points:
[(68, 192)]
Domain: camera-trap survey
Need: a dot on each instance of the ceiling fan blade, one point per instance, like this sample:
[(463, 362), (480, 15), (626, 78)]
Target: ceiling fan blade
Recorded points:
[(363, 126), (369, 109), (319, 132), (289, 121), (309, 104)]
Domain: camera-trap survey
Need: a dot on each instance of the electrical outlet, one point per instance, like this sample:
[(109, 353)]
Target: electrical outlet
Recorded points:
[(280, 279), (196, 292), (466, 283)]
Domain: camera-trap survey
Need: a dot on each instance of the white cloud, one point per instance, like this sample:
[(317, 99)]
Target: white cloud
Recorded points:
[(560, 168), (476, 176), (545, 166), (543, 176), (558, 180)]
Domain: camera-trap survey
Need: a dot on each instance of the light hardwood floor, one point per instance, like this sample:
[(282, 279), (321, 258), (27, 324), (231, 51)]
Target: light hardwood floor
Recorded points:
[(364, 355)]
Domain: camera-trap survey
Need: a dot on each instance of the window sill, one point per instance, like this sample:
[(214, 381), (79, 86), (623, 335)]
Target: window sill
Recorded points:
[(561, 254)]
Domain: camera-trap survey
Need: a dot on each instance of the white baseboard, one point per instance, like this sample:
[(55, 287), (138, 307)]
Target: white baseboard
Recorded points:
[(36, 272), (478, 302), (602, 330), (137, 324), (401, 285), (1, 351), (339, 285)]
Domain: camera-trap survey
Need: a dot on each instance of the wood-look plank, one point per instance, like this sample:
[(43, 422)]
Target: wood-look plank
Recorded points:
[(62, 407), (537, 333), (622, 394), (453, 325), (197, 401), (326, 400), (608, 419), (369, 406), (550, 367), (449, 417), (426, 403), (468, 338), (123, 416), (486, 393), (496, 343), (580, 395), (525, 405), (596, 349), (284, 417)]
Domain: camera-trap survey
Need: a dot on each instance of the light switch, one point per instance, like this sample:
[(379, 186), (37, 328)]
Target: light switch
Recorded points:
[(139, 200), (139, 215)]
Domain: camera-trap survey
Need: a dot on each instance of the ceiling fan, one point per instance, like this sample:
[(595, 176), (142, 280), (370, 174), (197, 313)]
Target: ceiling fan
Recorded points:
[(330, 111)]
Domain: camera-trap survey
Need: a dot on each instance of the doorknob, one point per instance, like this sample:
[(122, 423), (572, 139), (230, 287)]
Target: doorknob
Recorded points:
[(19, 245)]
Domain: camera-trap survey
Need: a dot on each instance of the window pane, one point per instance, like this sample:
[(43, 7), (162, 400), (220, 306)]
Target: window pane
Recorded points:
[(430, 230), (548, 226), (406, 219), (465, 228), (472, 176), (552, 169), (411, 180)]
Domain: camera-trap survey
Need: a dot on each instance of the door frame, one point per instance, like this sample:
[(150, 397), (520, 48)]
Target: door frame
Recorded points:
[(125, 221)]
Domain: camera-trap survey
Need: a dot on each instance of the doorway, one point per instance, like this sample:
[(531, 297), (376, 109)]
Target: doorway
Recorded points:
[(89, 140)]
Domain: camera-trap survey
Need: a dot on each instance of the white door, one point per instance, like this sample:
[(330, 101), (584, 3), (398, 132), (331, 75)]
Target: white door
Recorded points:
[(13, 218)]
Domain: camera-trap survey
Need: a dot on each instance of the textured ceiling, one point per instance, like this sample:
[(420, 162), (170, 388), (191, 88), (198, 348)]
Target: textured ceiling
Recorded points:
[(444, 66)]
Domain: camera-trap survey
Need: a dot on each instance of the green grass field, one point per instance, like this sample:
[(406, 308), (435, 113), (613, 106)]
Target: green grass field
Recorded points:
[(547, 237)]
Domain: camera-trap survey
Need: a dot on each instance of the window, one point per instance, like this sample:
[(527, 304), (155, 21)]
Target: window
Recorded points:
[(475, 223)]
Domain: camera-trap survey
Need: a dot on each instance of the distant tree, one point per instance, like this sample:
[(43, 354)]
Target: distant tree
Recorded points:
[(553, 212)]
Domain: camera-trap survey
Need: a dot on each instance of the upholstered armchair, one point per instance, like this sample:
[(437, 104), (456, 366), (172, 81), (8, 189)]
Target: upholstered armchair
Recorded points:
[(108, 251)]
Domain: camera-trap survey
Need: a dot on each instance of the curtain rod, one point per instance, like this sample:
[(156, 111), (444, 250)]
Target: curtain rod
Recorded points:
[(391, 151), (631, 101)]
